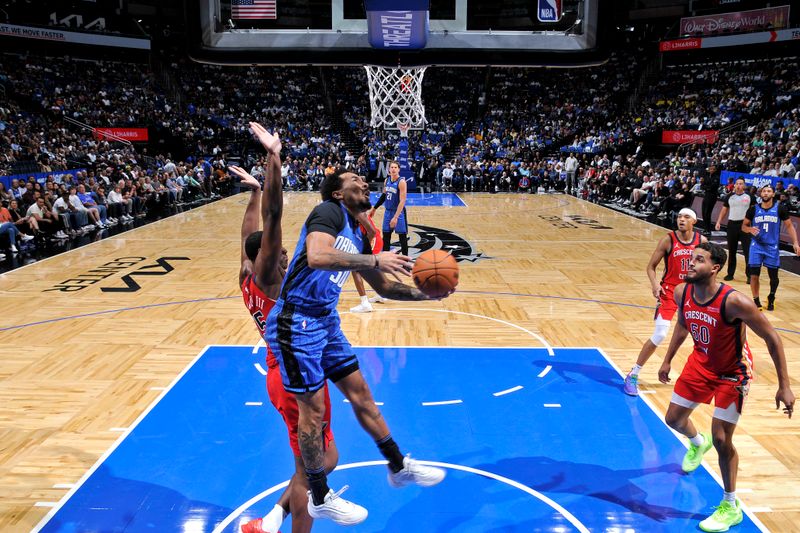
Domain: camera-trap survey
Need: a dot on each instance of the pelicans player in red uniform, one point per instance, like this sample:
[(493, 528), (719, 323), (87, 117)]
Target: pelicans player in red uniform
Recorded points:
[(675, 249), (263, 266), (720, 368)]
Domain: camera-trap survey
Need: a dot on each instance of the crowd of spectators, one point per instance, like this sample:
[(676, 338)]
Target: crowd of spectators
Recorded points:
[(532, 112), (499, 129), (713, 95), (765, 95)]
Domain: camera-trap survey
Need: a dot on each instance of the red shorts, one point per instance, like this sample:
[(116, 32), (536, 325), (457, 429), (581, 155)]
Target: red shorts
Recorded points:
[(286, 404), (698, 384), (666, 305)]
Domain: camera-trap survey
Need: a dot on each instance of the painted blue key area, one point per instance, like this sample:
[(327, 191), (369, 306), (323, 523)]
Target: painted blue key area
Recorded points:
[(606, 458), (419, 199)]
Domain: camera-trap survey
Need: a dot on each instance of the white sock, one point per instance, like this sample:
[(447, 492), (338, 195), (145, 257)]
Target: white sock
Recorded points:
[(365, 299), (273, 520), (697, 440), (729, 497), (635, 370)]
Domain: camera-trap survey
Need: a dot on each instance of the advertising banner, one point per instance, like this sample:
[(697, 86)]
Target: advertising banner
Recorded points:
[(758, 180), (53, 34), (40, 176), (761, 37), (397, 24), (128, 134), (773, 18), (688, 136)]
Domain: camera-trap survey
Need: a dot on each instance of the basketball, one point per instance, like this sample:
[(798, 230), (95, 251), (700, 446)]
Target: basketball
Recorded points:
[(435, 273)]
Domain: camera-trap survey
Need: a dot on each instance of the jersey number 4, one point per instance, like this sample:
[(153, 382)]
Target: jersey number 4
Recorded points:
[(701, 334)]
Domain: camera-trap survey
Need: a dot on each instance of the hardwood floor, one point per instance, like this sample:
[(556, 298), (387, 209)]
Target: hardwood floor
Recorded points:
[(89, 338)]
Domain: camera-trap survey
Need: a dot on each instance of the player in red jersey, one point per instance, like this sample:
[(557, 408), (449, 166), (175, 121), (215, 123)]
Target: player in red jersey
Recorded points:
[(720, 368), (675, 250), (263, 266), (375, 237)]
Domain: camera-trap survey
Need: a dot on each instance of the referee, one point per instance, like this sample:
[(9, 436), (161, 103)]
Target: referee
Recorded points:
[(737, 203)]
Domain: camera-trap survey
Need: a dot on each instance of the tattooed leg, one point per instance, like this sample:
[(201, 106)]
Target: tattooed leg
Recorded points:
[(309, 432)]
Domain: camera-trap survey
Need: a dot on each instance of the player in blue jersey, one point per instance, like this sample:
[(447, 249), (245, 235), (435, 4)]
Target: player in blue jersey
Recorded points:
[(763, 222), (394, 196), (304, 333)]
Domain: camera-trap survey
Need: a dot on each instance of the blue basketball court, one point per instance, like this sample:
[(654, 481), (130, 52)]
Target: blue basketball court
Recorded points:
[(530, 441)]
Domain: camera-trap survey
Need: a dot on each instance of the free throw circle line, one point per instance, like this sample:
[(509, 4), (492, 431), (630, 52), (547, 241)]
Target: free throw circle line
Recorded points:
[(510, 482)]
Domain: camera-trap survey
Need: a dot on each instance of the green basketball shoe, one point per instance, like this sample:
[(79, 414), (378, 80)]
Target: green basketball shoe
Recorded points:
[(694, 455), (725, 516)]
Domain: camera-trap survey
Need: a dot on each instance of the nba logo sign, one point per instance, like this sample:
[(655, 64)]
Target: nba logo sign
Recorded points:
[(549, 10)]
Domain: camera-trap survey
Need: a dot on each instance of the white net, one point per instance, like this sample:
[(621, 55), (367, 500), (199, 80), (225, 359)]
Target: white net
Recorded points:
[(403, 127), (395, 96)]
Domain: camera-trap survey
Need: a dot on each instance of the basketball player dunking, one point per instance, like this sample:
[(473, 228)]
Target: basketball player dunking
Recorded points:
[(263, 265), (304, 332), (720, 368), (675, 249)]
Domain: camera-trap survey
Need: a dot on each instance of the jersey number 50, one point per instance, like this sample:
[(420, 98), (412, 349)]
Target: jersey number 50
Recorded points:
[(701, 333)]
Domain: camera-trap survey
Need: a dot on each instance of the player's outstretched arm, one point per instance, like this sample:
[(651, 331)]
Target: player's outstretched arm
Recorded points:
[(394, 290), (322, 255), (270, 142), (250, 220), (267, 266), (678, 336), (743, 308)]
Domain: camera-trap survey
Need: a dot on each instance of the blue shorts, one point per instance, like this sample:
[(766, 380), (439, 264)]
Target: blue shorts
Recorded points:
[(401, 226), (309, 348), (759, 256)]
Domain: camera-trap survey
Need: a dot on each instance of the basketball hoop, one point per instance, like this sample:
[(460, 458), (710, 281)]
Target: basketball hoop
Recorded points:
[(395, 97)]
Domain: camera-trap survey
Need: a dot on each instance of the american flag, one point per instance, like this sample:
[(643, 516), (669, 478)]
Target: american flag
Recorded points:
[(254, 9)]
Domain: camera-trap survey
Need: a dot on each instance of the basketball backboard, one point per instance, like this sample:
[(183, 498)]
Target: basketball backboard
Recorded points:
[(335, 32)]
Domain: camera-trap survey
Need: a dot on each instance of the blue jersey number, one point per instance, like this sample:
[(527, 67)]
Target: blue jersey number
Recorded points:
[(340, 277)]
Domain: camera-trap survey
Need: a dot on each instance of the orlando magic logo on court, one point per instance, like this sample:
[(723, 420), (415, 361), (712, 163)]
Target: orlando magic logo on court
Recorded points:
[(442, 239)]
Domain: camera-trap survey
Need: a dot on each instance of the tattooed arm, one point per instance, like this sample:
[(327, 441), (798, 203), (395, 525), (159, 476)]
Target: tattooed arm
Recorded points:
[(394, 290), (323, 256)]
